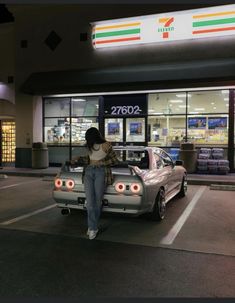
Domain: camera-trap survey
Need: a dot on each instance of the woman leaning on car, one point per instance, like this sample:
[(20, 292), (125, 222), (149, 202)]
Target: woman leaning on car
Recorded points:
[(97, 175)]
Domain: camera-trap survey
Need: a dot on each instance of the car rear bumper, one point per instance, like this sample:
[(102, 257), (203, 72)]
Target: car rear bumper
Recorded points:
[(114, 203)]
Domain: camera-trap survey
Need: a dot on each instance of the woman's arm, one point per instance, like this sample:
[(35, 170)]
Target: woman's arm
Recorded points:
[(111, 158)]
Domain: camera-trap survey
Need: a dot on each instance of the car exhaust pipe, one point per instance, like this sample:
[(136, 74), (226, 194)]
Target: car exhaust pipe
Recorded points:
[(65, 211)]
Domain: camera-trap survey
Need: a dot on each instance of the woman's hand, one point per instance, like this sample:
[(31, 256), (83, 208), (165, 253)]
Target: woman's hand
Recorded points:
[(74, 160)]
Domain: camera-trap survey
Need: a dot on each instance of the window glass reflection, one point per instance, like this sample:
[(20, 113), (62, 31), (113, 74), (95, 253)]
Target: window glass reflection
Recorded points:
[(84, 106), (57, 130), (167, 103), (166, 130), (57, 107)]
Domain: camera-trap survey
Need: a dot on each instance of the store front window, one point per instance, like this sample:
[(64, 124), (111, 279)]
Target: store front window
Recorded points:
[(166, 120), (56, 120), (200, 117), (157, 119), (208, 117), (67, 119)]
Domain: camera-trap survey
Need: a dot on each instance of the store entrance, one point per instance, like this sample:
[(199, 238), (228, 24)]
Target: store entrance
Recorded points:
[(7, 140), (126, 131), (125, 119)]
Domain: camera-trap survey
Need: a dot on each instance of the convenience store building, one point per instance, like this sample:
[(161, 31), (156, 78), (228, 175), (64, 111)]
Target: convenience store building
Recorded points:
[(160, 89)]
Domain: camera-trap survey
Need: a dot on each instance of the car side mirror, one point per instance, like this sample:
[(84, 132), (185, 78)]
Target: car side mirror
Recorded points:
[(179, 162)]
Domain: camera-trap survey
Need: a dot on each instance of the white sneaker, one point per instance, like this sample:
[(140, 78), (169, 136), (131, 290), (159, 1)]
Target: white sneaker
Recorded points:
[(93, 234), (88, 232)]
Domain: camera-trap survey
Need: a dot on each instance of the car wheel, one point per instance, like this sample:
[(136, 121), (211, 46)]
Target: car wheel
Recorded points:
[(183, 188), (159, 209)]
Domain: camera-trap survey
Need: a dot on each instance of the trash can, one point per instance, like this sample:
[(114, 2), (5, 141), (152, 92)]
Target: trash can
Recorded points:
[(40, 155), (188, 154)]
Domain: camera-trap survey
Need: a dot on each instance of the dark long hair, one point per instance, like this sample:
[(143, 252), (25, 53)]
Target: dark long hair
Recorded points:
[(93, 136)]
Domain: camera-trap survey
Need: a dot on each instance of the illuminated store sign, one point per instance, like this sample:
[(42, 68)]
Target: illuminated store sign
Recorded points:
[(190, 24), (131, 105)]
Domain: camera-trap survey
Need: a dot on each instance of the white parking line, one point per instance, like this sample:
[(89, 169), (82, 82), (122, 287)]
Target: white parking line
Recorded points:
[(172, 234), (28, 215), (17, 184)]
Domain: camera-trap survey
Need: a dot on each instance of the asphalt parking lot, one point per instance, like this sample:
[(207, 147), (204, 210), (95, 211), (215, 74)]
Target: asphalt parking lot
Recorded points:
[(189, 254)]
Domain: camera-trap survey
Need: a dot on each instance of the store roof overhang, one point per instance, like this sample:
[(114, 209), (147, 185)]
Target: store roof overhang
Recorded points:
[(126, 78)]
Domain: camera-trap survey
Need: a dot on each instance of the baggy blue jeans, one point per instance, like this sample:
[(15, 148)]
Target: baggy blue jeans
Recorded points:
[(94, 182)]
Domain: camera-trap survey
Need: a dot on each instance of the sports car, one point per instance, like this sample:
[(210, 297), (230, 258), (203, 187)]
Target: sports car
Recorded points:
[(145, 180)]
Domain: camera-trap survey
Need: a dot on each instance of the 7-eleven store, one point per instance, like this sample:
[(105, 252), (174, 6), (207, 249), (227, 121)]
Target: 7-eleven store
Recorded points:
[(181, 98)]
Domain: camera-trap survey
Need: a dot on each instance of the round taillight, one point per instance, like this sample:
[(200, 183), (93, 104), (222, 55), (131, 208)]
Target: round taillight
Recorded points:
[(135, 188), (70, 184), (120, 187), (58, 183)]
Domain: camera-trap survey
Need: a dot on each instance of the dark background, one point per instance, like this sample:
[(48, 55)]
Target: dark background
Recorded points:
[(5, 15)]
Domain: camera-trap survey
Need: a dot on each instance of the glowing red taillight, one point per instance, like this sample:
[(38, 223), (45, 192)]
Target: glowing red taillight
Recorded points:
[(58, 183), (119, 187), (135, 188), (70, 184)]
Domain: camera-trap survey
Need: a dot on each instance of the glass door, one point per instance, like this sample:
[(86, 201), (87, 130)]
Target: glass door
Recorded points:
[(8, 143), (126, 131), (135, 130), (113, 130)]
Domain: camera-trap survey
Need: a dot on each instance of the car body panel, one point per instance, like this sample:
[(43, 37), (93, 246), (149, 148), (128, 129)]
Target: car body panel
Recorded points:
[(147, 177)]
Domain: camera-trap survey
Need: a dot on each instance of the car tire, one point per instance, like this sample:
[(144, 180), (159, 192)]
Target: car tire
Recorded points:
[(183, 188), (159, 209)]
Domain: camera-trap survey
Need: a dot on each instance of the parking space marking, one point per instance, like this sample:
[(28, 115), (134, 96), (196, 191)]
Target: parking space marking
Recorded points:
[(172, 234), (28, 215), (17, 184)]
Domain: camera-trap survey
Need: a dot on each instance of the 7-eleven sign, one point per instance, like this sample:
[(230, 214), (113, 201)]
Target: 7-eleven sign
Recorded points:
[(166, 27)]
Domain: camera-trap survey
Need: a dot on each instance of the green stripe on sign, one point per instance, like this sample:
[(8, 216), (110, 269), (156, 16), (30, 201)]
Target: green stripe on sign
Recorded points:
[(118, 33), (214, 22)]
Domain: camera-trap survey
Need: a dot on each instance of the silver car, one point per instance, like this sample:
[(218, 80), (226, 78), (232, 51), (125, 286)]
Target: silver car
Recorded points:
[(145, 179)]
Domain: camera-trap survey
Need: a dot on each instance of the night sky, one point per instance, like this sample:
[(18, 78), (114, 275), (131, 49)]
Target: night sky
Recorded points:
[(5, 15)]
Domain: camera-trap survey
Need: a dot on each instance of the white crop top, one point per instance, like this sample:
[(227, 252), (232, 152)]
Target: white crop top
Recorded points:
[(97, 153)]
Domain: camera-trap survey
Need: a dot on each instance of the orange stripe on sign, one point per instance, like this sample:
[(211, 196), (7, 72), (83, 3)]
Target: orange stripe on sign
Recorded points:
[(213, 15), (117, 40), (214, 30), (163, 20), (117, 26)]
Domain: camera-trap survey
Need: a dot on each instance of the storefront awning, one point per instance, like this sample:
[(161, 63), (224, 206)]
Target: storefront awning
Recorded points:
[(144, 77)]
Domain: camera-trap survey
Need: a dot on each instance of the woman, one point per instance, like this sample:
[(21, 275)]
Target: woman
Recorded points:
[(97, 175)]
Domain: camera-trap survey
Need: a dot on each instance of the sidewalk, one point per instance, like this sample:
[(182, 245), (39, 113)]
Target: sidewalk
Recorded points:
[(195, 179)]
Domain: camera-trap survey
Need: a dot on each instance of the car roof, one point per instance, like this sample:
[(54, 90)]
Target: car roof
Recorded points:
[(130, 147)]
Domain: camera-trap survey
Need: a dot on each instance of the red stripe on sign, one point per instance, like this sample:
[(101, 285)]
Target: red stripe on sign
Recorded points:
[(165, 35), (117, 40), (214, 30), (168, 23)]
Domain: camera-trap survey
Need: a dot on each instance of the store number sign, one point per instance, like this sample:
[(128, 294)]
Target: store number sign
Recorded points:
[(125, 110), (125, 105)]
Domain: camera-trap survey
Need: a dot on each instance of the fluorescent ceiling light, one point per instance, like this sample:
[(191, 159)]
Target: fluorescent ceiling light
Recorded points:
[(226, 99), (224, 91), (176, 101), (184, 106), (200, 108), (194, 112), (78, 100), (212, 103), (183, 95)]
